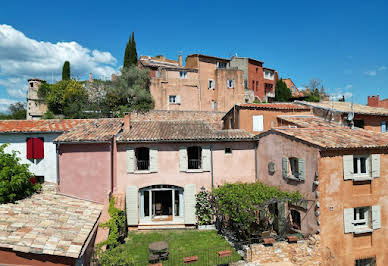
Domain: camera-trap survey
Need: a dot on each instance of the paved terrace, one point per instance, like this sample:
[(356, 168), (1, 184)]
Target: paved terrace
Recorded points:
[(48, 223)]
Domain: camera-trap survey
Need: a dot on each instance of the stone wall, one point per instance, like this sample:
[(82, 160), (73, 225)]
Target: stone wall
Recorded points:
[(305, 252)]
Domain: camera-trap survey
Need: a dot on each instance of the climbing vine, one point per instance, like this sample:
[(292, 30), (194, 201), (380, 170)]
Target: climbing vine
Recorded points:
[(204, 208)]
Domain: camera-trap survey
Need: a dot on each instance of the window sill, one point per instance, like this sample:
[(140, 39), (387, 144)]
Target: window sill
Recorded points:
[(194, 171), (362, 178), (142, 172), (293, 178), (362, 230), (174, 103)]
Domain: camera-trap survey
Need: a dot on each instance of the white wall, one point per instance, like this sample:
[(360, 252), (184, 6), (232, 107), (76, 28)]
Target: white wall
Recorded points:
[(46, 167)]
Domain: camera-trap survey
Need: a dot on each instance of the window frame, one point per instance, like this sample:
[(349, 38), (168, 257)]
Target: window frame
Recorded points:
[(230, 83), (361, 223), (172, 97), (199, 158), (358, 167), (211, 84), (137, 149), (293, 169), (230, 150)]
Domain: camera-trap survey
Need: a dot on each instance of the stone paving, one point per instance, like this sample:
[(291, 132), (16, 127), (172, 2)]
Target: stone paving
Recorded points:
[(48, 223)]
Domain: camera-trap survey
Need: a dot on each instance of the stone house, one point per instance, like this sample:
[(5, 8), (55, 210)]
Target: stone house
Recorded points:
[(35, 106), (340, 172), (375, 101)]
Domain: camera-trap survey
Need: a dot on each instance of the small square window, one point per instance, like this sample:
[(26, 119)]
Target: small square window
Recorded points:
[(182, 74), (172, 99), (365, 262), (230, 83), (228, 150), (211, 84), (294, 166), (360, 218), (360, 165)]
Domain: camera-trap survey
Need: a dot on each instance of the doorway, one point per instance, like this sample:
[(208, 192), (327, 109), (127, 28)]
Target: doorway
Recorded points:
[(162, 205)]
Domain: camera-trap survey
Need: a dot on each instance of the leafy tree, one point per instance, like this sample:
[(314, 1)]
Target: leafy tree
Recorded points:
[(17, 111), (130, 55), (48, 115), (16, 181), (282, 92), (66, 71)]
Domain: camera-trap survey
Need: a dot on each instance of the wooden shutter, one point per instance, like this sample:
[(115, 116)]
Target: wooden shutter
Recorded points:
[(301, 169), (190, 202), (178, 99), (206, 159), (257, 123), (376, 217), (348, 166), (131, 203), (285, 167), (130, 160), (38, 148), (383, 126), (183, 159), (30, 154), (348, 220), (154, 160), (375, 158)]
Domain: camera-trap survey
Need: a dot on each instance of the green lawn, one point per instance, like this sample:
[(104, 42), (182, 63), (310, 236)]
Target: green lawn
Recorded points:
[(182, 243)]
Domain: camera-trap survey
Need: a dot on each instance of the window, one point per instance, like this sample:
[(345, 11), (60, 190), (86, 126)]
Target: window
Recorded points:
[(296, 221), (182, 74), (257, 85), (214, 105), (221, 64), (268, 87), (230, 83), (174, 99), (293, 89), (365, 262), (231, 123), (361, 217), (294, 167), (360, 165), (383, 126), (362, 220), (268, 74), (194, 156), (228, 150), (257, 123), (253, 85), (211, 84), (257, 69), (358, 123), (35, 148), (142, 158), (31, 84)]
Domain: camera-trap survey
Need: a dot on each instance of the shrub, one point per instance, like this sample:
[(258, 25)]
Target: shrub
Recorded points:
[(204, 208), (16, 181), (237, 204)]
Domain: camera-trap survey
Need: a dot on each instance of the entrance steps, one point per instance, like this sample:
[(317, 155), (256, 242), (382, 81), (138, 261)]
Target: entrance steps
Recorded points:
[(164, 227)]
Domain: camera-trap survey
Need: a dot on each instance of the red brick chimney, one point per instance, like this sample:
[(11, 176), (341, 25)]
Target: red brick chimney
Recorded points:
[(373, 101), (127, 121)]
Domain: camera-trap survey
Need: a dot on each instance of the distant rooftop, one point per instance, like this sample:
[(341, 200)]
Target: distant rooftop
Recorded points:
[(38, 126), (346, 107), (307, 121)]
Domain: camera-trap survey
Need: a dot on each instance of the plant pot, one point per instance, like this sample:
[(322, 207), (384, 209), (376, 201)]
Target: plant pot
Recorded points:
[(207, 227)]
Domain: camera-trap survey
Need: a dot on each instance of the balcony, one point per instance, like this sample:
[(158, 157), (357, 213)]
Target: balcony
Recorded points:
[(194, 164), (143, 164)]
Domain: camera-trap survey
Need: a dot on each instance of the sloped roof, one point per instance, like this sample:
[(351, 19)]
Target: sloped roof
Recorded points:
[(334, 137), (93, 130), (307, 121), (38, 126), (346, 107), (152, 131)]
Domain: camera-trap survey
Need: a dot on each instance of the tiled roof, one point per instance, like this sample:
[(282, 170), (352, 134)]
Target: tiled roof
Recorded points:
[(38, 126), (48, 223), (335, 137), (93, 130), (346, 107), (306, 121), (150, 131), (277, 106)]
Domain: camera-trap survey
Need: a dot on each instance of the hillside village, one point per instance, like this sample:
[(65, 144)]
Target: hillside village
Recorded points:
[(314, 172)]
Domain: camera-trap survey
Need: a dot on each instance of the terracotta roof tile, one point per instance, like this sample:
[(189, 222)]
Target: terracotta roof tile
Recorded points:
[(38, 126), (93, 130), (278, 106), (346, 107), (335, 137), (307, 121), (149, 131)]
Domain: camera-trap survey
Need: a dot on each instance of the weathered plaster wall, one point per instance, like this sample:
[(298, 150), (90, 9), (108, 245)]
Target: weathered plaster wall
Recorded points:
[(372, 122), (227, 97), (271, 149), (47, 166), (238, 166), (255, 74), (85, 171), (335, 194)]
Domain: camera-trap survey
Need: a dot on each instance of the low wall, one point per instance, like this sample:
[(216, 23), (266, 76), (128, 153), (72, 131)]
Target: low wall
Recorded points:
[(305, 252)]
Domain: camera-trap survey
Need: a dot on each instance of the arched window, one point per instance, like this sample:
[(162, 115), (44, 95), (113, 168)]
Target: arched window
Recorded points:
[(194, 156), (142, 158)]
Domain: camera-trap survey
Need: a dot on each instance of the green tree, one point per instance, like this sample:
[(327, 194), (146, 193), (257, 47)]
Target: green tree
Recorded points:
[(17, 111), (130, 55), (16, 181), (282, 92), (66, 71)]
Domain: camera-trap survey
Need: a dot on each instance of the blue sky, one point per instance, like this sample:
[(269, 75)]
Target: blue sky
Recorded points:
[(343, 43)]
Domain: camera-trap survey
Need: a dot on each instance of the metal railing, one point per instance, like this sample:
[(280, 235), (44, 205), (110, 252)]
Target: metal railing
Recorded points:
[(143, 164), (194, 164)]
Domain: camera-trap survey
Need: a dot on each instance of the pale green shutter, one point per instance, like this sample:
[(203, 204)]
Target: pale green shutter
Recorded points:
[(130, 160), (131, 205), (285, 167), (301, 169), (154, 160), (206, 157), (183, 159), (376, 217), (348, 166), (189, 203), (348, 220), (375, 165)]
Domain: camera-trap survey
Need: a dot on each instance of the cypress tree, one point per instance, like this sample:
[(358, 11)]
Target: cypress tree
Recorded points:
[(66, 71), (282, 92), (133, 48), (130, 55)]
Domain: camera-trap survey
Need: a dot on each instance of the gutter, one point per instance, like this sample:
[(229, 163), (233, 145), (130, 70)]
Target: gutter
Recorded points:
[(211, 166), (57, 148)]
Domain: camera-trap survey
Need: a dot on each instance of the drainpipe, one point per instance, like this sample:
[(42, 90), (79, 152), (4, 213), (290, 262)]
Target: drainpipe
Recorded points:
[(256, 146), (211, 165), (57, 148), (199, 83)]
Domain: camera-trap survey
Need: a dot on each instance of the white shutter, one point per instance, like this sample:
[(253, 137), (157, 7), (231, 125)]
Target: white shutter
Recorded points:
[(130, 160), (348, 220), (301, 169), (375, 165), (348, 166), (190, 202), (206, 159), (376, 217), (285, 167), (183, 159), (154, 160), (258, 123), (131, 204), (178, 99)]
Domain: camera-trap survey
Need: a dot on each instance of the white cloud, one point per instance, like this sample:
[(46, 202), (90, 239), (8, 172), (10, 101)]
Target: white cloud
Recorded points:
[(382, 68), (4, 104), (340, 92), (371, 73), (22, 58), (348, 87)]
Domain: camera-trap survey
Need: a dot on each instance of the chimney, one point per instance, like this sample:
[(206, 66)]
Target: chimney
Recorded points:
[(113, 77), (90, 77), (180, 60), (127, 121), (373, 101)]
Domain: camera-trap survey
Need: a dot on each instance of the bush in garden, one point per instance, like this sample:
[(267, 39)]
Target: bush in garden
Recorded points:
[(16, 181), (238, 204), (204, 208)]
